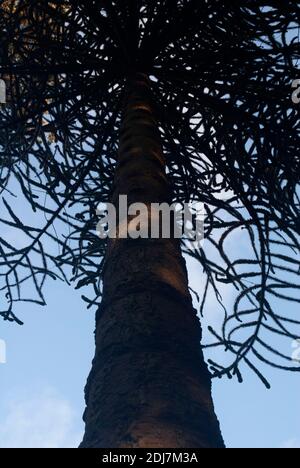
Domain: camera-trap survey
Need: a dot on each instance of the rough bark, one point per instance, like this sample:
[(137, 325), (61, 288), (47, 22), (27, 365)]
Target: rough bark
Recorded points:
[(149, 385)]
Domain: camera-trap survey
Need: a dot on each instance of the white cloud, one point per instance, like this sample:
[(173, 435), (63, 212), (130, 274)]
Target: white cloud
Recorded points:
[(45, 420), (291, 444)]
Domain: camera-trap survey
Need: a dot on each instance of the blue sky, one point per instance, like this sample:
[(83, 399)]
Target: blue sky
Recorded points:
[(48, 360)]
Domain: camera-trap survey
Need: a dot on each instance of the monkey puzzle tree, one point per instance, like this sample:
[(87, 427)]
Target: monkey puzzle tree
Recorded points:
[(160, 101)]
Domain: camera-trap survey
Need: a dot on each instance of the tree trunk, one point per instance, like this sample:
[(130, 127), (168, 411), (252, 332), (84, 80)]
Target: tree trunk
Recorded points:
[(149, 386)]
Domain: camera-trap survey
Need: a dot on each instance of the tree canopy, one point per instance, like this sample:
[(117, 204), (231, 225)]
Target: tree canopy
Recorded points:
[(221, 76)]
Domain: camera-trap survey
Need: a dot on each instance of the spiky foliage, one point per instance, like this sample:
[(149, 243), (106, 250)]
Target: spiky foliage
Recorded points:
[(221, 76)]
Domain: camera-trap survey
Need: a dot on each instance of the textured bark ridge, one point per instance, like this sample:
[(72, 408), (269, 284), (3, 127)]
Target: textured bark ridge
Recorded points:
[(149, 386)]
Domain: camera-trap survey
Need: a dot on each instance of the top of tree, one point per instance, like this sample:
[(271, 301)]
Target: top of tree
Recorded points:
[(221, 75)]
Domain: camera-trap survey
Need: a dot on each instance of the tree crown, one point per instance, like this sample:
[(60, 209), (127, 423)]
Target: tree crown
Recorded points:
[(221, 75)]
